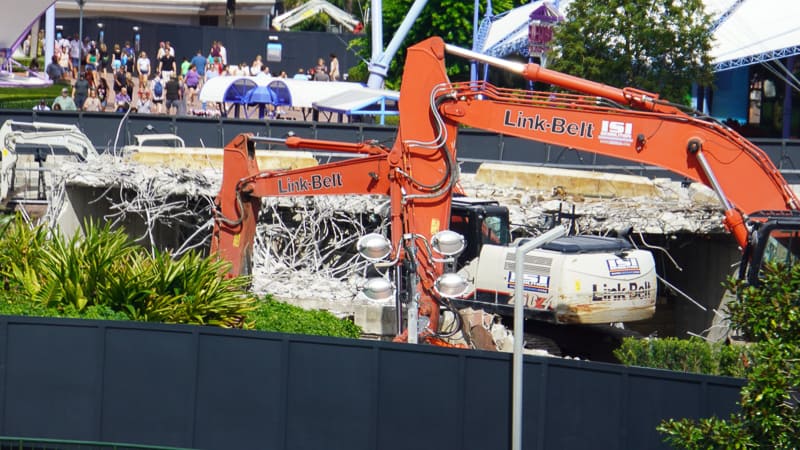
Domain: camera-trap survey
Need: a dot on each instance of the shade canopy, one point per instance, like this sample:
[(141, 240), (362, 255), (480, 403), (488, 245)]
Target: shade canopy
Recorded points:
[(362, 101), (228, 89), (753, 31)]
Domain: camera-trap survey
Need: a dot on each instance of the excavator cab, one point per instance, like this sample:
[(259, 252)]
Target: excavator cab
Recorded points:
[(481, 222), (775, 237)]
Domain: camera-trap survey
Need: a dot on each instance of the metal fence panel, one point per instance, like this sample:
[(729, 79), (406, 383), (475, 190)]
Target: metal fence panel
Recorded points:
[(240, 396), (148, 386), (321, 379), (52, 381), (419, 400), (200, 132), (218, 389), (487, 415)]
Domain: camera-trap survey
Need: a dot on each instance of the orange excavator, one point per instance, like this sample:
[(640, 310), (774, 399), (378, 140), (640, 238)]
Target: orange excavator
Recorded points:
[(419, 174)]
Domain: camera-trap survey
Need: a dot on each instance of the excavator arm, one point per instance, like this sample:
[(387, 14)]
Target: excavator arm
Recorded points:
[(419, 173), (41, 139)]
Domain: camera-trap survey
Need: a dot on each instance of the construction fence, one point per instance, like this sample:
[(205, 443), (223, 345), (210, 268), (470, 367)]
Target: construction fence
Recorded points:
[(211, 388)]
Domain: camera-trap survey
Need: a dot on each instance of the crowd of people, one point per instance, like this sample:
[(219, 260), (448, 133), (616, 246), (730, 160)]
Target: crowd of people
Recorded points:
[(120, 78)]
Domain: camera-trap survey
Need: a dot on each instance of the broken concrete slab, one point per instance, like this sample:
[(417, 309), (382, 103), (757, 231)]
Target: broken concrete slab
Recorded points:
[(574, 182), (211, 158)]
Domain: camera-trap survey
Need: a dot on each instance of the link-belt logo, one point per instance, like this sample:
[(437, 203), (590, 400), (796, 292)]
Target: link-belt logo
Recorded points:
[(315, 183), (630, 291), (557, 125)]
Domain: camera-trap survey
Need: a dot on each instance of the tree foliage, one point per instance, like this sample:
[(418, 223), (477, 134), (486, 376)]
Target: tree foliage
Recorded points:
[(656, 45), (769, 315)]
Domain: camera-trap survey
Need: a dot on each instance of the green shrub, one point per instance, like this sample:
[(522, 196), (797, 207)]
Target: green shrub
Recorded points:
[(692, 355), (271, 315), (768, 314), (101, 275)]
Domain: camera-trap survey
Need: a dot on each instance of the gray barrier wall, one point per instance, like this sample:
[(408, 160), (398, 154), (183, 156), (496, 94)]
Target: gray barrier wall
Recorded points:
[(474, 146), (210, 388)]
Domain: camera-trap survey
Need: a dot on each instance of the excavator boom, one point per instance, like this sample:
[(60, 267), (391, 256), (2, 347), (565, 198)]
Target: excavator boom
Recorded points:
[(419, 174)]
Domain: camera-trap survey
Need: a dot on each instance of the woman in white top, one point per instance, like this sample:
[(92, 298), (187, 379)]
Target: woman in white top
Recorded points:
[(143, 66), (256, 67)]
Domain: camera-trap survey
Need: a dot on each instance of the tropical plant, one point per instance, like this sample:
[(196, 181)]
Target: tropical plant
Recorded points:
[(101, 275)]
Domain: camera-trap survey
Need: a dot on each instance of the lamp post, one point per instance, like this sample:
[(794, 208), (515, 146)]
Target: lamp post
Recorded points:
[(136, 39), (80, 24), (101, 33)]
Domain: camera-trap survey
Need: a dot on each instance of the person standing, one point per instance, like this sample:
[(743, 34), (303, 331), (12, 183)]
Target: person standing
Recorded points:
[(75, 51), (185, 64), (157, 89), (200, 63), (80, 90), (223, 54), (255, 68), (105, 59), (143, 67), (173, 95), (166, 65), (65, 63), (54, 71), (334, 71), (116, 58), (129, 55), (192, 84)]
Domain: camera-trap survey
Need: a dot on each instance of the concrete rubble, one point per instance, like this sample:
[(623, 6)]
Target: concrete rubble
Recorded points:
[(290, 264)]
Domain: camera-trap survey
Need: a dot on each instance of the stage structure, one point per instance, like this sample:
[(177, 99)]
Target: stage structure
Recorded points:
[(15, 24)]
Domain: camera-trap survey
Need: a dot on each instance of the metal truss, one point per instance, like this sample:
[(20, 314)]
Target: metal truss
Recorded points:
[(758, 58)]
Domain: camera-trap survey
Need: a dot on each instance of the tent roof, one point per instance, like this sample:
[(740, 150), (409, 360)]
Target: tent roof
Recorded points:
[(229, 89), (754, 31), (363, 100), (303, 94), (16, 19)]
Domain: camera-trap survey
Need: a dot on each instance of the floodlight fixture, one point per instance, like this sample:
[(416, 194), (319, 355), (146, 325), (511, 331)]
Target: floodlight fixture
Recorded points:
[(448, 243), (378, 289), (451, 285), (374, 247)]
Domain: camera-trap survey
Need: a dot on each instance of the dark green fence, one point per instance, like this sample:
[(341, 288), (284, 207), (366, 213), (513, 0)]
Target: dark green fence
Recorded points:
[(210, 388)]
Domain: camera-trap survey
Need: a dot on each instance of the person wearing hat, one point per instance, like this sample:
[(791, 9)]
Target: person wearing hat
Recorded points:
[(64, 101)]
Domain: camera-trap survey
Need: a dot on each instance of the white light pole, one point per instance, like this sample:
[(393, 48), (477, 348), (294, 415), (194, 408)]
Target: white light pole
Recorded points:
[(519, 325), (80, 28)]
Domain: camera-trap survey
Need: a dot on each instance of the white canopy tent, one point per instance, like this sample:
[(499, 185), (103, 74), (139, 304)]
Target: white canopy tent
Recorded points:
[(363, 101), (754, 31), (303, 94), (224, 89)]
